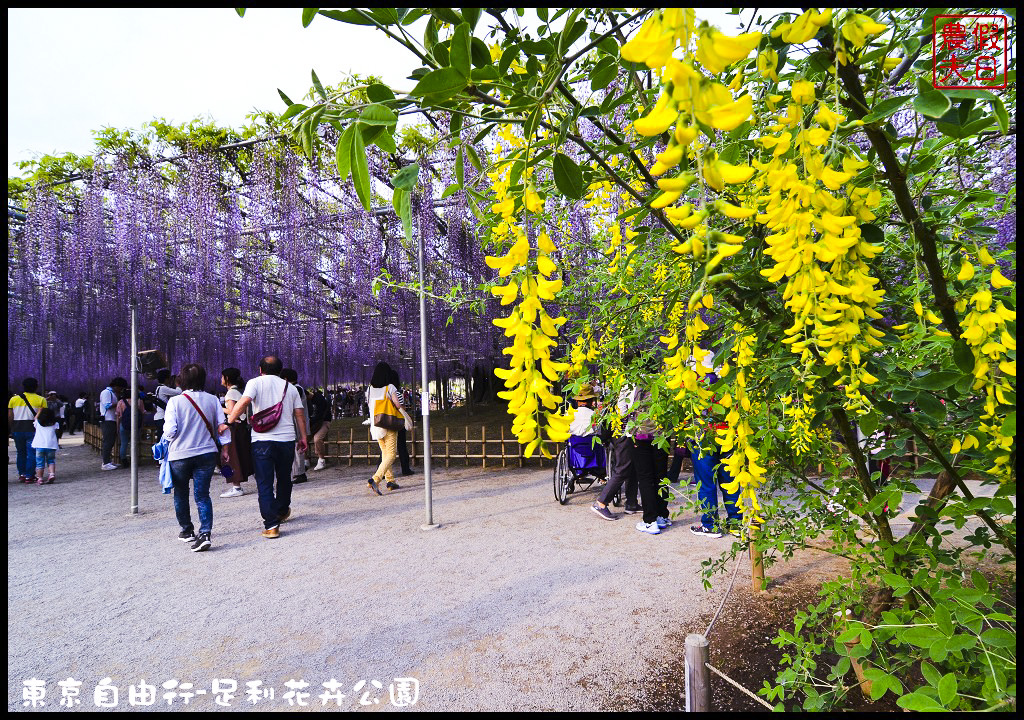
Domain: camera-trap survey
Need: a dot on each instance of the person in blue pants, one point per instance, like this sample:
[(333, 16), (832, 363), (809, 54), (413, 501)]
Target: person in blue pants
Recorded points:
[(710, 473)]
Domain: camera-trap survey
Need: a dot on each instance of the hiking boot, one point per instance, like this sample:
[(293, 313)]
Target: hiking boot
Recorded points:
[(271, 532), (187, 536), (202, 543), (604, 512)]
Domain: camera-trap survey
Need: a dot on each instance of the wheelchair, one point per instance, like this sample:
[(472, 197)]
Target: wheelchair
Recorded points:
[(580, 463)]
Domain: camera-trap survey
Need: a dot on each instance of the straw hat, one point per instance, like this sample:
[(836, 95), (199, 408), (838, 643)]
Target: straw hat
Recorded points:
[(586, 392)]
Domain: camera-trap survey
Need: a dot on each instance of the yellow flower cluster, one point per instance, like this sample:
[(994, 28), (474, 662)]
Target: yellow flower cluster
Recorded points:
[(801, 437), (747, 474), (987, 331), (816, 241), (531, 369)]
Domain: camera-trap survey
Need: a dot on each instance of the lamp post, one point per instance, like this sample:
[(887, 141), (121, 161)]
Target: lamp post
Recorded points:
[(425, 393), (135, 418)]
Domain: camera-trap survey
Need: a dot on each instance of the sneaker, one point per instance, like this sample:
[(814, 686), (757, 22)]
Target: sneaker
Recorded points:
[(299, 479), (392, 485), (202, 543), (663, 522), (187, 536), (372, 485), (287, 514), (706, 532), (109, 466), (632, 508), (233, 492), (604, 512), (649, 528), (271, 532), (320, 464)]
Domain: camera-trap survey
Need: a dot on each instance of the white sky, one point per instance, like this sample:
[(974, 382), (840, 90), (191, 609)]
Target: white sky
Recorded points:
[(70, 72)]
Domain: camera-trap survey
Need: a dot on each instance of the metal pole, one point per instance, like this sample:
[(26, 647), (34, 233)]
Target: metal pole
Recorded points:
[(325, 358), (135, 417), (698, 679), (425, 393)]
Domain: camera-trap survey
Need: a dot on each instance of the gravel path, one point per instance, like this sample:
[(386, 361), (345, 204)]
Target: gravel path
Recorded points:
[(515, 603)]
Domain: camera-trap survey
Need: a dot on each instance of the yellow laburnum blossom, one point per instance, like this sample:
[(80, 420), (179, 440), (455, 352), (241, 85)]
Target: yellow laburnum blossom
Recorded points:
[(804, 27), (858, 28), (716, 51), (802, 92), (767, 62), (659, 119)]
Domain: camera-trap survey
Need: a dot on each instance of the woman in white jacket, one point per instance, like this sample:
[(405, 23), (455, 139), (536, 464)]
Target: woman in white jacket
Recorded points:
[(191, 420), (381, 386)]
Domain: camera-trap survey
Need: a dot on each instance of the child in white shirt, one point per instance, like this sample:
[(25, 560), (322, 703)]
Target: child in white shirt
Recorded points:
[(45, 444)]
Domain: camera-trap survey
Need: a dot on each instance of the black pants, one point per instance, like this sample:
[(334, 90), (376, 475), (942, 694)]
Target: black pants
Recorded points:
[(109, 428), (403, 452), (650, 463), (622, 471)]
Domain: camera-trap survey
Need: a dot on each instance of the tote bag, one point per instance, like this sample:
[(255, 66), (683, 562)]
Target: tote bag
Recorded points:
[(386, 414)]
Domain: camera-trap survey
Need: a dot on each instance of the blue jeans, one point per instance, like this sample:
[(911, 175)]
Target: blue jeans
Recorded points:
[(200, 469), (44, 457), (126, 443), (26, 456), (272, 458), (710, 474)]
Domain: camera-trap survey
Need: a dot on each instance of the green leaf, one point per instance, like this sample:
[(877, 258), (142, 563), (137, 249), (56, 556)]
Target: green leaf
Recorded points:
[(430, 35), (479, 52), (963, 356), (947, 688), (998, 637), (307, 16), (443, 83), (937, 380), (343, 154), (603, 73), (446, 15), (459, 50), (284, 97), (361, 171), (510, 54), (932, 104), (999, 110), (483, 74), (931, 406), (568, 177), (240, 11), (471, 15), (474, 158), (318, 86), (930, 673), (379, 93), (407, 177), (460, 169), (895, 581), (293, 110), (352, 17), (1009, 428), (872, 233), (403, 208), (868, 424), (918, 702), (886, 108), (378, 115)]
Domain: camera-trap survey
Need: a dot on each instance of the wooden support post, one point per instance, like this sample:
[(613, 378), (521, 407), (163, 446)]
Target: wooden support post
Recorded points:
[(465, 449), (351, 445), (369, 442), (698, 677), (503, 445), (756, 564), (913, 449), (483, 444), (858, 669), (447, 446)]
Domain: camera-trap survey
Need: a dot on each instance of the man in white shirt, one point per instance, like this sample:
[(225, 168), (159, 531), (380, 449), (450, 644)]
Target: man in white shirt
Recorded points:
[(273, 451), (108, 404)]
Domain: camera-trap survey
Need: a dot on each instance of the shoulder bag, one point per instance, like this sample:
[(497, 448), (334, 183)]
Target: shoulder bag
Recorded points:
[(386, 414), (225, 470), (267, 419)]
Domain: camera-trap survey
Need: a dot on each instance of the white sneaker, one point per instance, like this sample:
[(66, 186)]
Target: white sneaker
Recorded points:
[(233, 492), (109, 466), (320, 464), (663, 522), (649, 528)]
